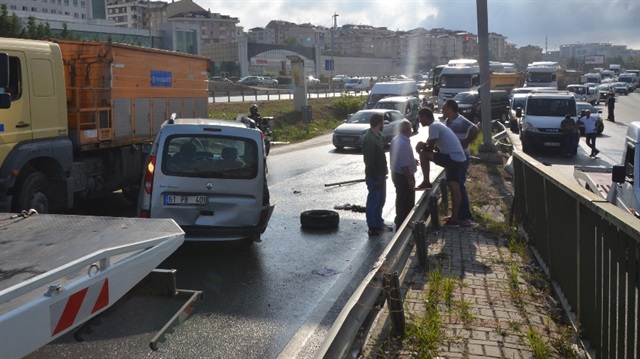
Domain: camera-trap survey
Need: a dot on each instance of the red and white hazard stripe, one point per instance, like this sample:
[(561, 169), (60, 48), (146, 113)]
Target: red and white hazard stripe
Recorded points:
[(79, 306)]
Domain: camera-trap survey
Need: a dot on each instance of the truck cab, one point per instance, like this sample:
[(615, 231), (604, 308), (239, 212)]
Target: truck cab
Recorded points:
[(458, 76), (542, 74)]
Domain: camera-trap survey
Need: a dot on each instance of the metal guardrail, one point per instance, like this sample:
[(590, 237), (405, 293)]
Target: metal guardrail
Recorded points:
[(276, 94), (342, 337), (589, 248), (352, 320)]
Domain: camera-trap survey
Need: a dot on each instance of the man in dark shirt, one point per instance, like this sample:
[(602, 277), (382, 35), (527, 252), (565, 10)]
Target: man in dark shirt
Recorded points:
[(611, 104), (375, 171)]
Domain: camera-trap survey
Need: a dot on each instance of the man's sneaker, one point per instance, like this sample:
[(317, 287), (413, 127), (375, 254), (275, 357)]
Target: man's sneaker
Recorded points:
[(375, 231), (452, 223), (467, 223), (386, 227)]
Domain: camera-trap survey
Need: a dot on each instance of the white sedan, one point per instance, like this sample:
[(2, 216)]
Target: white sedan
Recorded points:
[(268, 81), (312, 80)]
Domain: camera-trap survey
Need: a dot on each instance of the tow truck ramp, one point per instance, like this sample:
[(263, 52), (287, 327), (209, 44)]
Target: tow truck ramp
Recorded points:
[(58, 271)]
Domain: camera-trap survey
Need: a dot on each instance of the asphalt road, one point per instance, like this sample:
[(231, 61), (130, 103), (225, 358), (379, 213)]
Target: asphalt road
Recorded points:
[(275, 299)]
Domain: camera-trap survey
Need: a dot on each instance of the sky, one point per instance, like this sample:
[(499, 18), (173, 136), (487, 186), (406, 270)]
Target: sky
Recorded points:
[(544, 23)]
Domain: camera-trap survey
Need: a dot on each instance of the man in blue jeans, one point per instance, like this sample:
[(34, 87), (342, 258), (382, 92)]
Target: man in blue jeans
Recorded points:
[(375, 171), (466, 131)]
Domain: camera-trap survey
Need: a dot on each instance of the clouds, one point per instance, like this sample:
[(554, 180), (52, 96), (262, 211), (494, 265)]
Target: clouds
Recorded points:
[(523, 22)]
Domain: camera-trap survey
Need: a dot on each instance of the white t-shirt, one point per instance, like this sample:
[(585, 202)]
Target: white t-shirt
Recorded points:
[(447, 141)]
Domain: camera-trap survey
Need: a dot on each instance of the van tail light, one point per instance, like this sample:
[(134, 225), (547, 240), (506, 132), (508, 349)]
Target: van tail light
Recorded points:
[(263, 216), (148, 174), (144, 214)]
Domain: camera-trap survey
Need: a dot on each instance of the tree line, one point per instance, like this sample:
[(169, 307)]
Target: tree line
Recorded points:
[(10, 27)]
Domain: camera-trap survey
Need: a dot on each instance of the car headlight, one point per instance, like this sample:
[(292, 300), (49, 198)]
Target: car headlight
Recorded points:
[(526, 126)]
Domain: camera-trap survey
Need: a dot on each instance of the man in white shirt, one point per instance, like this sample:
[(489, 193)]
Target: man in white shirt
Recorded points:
[(590, 131), (466, 131), (450, 155), (403, 168)]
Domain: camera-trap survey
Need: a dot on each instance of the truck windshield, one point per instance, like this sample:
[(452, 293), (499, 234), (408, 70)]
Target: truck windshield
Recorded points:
[(455, 81), (539, 77)]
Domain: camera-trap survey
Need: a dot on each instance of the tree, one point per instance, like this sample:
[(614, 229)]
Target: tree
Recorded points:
[(32, 28)]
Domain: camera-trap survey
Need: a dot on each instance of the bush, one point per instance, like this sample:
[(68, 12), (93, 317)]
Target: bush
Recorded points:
[(345, 105)]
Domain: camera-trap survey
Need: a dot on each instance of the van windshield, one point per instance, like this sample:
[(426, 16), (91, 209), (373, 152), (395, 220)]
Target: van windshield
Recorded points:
[(210, 156), (551, 107)]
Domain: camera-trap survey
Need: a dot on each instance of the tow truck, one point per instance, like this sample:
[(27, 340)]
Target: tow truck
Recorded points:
[(619, 185), (59, 271)]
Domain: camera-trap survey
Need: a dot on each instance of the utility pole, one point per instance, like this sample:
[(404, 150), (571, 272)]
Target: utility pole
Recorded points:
[(485, 89)]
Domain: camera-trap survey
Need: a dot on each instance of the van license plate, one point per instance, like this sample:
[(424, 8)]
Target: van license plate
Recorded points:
[(552, 144), (184, 200)]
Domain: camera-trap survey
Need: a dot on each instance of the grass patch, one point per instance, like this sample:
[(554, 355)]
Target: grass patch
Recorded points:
[(327, 114), (540, 349)]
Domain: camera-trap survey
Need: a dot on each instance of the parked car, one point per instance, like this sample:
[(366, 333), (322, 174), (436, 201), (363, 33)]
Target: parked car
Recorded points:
[(583, 106), (407, 105), (268, 81), (604, 90), (469, 105), (621, 88), (351, 132), (209, 176), (249, 81), (312, 80), (339, 80)]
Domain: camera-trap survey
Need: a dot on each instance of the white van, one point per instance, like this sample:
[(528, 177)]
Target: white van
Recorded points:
[(396, 88), (540, 120), (209, 176), (357, 84)]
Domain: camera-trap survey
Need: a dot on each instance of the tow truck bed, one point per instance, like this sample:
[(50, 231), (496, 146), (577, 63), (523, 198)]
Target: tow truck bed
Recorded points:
[(58, 271), (596, 179)]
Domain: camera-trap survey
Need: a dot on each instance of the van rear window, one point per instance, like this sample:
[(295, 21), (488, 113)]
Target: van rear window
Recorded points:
[(210, 156)]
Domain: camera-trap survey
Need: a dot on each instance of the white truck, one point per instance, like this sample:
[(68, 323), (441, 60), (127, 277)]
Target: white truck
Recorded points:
[(549, 74), (459, 75), (619, 185), (59, 271), (542, 74)]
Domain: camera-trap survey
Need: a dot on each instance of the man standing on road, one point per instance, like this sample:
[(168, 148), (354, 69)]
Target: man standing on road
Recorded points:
[(403, 168), (375, 171), (466, 131), (611, 104), (590, 132), (450, 156)]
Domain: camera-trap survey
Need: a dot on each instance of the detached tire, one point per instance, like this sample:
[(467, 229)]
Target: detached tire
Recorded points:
[(319, 219)]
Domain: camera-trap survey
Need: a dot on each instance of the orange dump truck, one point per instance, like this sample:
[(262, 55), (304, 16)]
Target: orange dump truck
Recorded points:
[(75, 114)]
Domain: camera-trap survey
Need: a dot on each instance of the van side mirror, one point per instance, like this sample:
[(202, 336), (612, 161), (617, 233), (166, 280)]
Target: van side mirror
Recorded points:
[(618, 174)]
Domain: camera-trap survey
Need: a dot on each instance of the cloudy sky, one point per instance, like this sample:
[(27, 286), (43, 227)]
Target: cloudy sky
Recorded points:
[(523, 22)]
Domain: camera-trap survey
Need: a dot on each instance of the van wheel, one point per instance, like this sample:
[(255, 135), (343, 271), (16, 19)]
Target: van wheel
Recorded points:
[(319, 219)]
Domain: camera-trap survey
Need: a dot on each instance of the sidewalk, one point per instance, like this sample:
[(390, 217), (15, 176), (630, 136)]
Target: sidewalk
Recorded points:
[(500, 305)]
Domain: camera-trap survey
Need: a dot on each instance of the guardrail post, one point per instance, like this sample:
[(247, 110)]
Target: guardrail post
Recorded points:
[(394, 300), (444, 189), (434, 212), (422, 249)]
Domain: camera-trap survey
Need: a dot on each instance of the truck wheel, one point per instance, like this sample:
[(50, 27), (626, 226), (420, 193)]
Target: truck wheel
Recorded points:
[(33, 192), (131, 193), (319, 219)]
